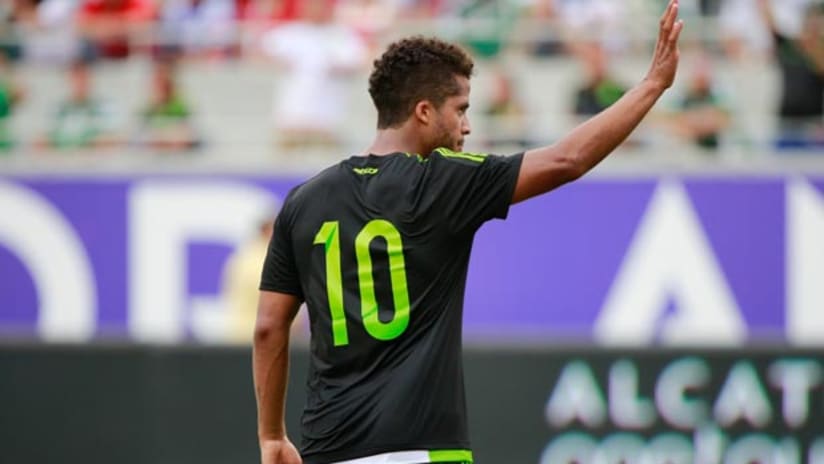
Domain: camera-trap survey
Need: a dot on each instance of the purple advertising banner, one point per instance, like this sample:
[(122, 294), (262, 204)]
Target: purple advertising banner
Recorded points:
[(630, 261)]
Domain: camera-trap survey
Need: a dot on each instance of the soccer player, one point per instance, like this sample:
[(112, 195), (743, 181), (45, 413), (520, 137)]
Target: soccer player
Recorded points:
[(378, 246)]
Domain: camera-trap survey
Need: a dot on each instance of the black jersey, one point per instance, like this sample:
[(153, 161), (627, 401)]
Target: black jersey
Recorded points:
[(802, 86), (378, 246)]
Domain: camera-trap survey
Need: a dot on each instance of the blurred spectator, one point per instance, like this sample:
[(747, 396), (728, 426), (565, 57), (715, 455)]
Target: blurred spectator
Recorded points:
[(368, 18), (109, 28), (82, 121), (241, 278), (259, 17), (314, 55), (600, 89), (268, 11), (702, 116), (600, 21), (240, 282), (14, 13), (10, 95), (546, 14), (488, 25), (198, 27), (506, 116), (50, 35), (422, 9), (166, 122), (742, 29), (801, 60), (745, 33), (690, 8), (709, 7)]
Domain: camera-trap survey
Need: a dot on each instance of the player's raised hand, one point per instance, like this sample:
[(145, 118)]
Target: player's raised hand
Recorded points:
[(665, 60), (279, 452)]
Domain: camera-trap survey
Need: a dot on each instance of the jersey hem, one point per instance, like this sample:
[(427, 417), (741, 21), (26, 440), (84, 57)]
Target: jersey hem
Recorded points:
[(326, 458)]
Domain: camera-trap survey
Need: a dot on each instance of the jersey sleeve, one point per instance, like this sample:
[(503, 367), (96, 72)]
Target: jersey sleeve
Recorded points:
[(280, 272), (474, 188)]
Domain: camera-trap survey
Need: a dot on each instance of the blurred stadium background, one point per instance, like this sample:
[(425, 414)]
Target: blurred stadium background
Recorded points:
[(669, 308)]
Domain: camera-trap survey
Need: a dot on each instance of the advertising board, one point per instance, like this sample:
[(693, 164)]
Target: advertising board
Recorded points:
[(690, 260)]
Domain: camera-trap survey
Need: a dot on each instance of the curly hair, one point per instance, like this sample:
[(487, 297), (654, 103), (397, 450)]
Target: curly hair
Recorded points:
[(415, 69)]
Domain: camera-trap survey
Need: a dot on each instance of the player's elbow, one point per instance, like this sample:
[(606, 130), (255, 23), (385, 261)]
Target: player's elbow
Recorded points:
[(546, 169), (263, 333), (274, 316), (268, 329), (568, 168)]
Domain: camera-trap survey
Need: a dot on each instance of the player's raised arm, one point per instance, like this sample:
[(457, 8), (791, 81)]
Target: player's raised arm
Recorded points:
[(546, 168), (276, 311)]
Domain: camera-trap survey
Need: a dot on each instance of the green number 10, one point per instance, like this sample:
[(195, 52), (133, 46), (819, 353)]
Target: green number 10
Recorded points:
[(329, 237)]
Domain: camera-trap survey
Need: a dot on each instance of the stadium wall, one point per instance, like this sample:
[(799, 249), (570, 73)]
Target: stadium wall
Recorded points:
[(193, 404)]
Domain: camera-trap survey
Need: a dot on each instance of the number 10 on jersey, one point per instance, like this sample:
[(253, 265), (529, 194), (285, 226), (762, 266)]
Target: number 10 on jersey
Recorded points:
[(329, 237)]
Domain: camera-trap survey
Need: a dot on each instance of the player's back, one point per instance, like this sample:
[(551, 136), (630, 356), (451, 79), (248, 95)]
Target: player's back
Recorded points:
[(380, 248)]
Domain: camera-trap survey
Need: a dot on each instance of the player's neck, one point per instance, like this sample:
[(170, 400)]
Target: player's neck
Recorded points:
[(397, 140)]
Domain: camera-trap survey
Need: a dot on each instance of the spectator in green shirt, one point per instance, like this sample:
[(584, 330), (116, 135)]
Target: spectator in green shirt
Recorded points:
[(600, 89), (166, 122), (82, 121), (10, 95), (703, 114)]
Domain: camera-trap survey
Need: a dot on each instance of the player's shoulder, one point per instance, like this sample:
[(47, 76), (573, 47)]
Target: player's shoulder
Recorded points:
[(448, 157), (308, 188), (324, 179)]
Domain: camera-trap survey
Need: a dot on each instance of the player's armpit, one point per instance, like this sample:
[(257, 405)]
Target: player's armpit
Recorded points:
[(275, 311)]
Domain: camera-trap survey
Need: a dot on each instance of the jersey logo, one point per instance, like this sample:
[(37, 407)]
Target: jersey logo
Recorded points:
[(365, 171)]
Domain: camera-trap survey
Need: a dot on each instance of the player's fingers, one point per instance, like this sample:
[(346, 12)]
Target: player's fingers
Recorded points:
[(666, 13), (673, 17), (676, 32), (662, 32), (670, 32), (663, 44), (669, 15)]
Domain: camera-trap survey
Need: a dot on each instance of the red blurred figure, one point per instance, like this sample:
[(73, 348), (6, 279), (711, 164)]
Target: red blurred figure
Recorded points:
[(271, 11), (108, 27)]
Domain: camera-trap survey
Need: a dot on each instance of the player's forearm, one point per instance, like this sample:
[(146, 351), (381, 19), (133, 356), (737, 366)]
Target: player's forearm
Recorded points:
[(270, 368), (546, 168), (591, 142)]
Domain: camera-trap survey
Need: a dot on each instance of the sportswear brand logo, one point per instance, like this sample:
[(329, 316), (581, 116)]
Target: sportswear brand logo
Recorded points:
[(365, 171)]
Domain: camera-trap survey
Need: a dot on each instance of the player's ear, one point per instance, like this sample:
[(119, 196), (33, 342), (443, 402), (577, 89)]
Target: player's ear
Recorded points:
[(424, 111)]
